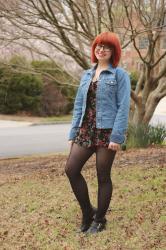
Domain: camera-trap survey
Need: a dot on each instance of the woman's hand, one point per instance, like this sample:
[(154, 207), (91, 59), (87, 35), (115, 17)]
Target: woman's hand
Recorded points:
[(71, 142), (114, 146)]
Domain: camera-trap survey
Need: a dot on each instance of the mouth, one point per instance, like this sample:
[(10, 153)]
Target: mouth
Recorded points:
[(101, 54)]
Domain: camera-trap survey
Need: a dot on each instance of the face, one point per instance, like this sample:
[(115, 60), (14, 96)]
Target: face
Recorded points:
[(103, 52)]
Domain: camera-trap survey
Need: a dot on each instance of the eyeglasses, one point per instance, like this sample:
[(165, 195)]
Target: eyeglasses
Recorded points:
[(105, 47)]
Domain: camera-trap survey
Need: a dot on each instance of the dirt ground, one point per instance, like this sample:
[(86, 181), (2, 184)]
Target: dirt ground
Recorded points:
[(38, 210), (15, 168)]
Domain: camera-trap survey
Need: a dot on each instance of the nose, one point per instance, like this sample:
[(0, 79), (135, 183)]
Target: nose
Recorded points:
[(102, 48)]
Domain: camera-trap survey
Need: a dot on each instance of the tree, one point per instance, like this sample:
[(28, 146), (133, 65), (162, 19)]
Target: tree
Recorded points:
[(151, 85), (69, 26)]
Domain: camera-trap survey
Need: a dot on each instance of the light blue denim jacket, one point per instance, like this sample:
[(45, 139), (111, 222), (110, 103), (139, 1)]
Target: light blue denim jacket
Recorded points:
[(112, 102)]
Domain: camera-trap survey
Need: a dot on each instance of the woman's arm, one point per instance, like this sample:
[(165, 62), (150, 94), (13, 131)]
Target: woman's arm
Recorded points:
[(77, 112), (123, 103)]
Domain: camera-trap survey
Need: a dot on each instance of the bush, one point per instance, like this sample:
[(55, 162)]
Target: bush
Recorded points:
[(52, 101), (58, 95), (157, 134), (41, 93), (143, 135), (19, 91), (134, 79)]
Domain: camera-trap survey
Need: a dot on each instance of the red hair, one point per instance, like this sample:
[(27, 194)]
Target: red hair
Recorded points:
[(110, 39)]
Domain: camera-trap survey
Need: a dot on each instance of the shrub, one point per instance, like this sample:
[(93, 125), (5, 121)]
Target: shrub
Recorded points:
[(41, 93), (157, 134), (19, 91), (134, 78), (52, 101), (58, 95), (143, 135)]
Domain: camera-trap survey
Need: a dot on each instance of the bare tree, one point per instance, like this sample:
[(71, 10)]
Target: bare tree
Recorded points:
[(69, 26), (151, 86)]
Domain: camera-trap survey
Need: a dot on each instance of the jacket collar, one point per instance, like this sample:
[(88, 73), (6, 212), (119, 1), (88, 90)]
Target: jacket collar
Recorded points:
[(110, 69)]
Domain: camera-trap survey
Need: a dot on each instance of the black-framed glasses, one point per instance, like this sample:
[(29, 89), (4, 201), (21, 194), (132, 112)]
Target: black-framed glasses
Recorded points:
[(105, 47)]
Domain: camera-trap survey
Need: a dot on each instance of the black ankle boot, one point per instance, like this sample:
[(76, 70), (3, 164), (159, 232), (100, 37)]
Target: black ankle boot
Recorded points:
[(97, 226), (86, 222)]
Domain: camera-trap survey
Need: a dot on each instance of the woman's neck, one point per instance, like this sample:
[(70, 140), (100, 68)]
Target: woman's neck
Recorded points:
[(102, 65)]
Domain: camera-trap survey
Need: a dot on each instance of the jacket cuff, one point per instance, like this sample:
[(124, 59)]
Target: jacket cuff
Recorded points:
[(117, 138), (72, 133)]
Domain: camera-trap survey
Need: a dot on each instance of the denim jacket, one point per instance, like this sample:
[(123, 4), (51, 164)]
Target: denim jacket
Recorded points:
[(112, 102)]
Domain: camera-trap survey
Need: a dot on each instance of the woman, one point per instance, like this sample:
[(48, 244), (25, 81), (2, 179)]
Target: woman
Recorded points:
[(99, 123)]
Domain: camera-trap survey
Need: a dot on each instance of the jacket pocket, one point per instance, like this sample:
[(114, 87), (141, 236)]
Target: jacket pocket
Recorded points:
[(111, 82), (110, 86)]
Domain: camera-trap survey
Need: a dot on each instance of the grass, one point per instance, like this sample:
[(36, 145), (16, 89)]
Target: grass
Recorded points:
[(58, 118), (36, 119), (38, 209)]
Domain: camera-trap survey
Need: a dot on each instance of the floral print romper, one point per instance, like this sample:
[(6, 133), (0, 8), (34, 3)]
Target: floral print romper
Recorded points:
[(88, 135)]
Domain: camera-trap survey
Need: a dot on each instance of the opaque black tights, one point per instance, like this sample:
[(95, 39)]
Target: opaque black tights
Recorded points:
[(104, 158)]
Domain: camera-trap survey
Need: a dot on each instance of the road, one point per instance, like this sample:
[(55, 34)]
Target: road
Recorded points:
[(23, 139), (32, 140)]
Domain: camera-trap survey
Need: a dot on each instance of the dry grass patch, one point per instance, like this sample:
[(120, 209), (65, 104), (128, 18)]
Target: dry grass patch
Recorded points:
[(39, 211)]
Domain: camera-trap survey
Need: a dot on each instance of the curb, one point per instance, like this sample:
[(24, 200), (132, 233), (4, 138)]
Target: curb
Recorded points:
[(50, 123), (29, 156)]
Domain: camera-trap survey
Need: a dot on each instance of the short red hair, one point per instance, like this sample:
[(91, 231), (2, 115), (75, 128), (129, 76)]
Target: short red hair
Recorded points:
[(111, 39)]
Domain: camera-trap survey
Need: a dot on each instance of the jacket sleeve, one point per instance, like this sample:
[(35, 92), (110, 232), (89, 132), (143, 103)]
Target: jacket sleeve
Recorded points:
[(77, 112), (123, 104)]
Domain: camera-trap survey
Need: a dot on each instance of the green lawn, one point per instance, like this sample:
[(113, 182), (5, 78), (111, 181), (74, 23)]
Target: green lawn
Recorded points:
[(39, 211)]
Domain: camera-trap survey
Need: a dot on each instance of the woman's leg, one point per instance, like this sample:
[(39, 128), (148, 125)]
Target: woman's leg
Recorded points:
[(76, 160), (104, 160)]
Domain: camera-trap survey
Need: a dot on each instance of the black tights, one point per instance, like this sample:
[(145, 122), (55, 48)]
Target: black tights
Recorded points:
[(104, 158)]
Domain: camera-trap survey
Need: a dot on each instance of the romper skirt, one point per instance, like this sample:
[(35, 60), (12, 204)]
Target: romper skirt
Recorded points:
[(88, 135)]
